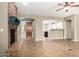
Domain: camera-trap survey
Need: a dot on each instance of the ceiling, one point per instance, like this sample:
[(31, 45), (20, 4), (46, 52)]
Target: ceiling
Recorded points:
[(45, 9)]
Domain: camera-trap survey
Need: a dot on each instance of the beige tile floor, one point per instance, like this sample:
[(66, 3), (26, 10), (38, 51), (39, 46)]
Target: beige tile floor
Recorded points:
[(48, 48)]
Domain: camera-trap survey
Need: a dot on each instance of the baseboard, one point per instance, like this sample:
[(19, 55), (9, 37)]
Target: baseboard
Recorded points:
[(39, 40), (48, 39), (75, 40), (52, 39), (55, 38)]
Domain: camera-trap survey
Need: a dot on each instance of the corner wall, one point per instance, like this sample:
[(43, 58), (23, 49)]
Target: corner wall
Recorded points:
[(72, 26), (4, 26), (75, 27)]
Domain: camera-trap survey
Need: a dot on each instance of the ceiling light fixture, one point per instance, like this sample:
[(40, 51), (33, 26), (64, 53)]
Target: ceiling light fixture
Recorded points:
[(66, 8)]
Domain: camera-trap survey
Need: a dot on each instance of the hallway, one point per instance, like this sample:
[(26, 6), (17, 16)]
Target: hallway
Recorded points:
[(55, 48)]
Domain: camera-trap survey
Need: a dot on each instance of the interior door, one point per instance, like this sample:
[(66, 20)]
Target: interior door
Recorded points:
[(29, 29)]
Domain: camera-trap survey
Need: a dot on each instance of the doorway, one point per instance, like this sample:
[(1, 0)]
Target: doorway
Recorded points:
[(12, 36), (28, 28), (69, 29)]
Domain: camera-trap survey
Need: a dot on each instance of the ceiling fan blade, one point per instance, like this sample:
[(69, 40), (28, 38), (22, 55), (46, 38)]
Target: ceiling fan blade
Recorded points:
[(59, 9), (74, 6), (72, 3)]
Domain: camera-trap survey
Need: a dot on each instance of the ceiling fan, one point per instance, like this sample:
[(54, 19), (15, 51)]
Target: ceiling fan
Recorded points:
[(67, 5)]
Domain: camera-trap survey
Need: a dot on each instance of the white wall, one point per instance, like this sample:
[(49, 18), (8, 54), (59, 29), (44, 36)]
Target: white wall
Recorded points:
[(76, 27), (4, 25), (56, 34), (39, 30), (38, 24), (66, 33)]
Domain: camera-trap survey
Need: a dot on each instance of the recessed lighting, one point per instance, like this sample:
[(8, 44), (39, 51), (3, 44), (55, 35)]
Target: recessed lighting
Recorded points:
[(25, 3)]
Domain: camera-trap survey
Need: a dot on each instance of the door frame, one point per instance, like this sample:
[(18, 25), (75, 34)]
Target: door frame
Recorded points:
[(33, 26)]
